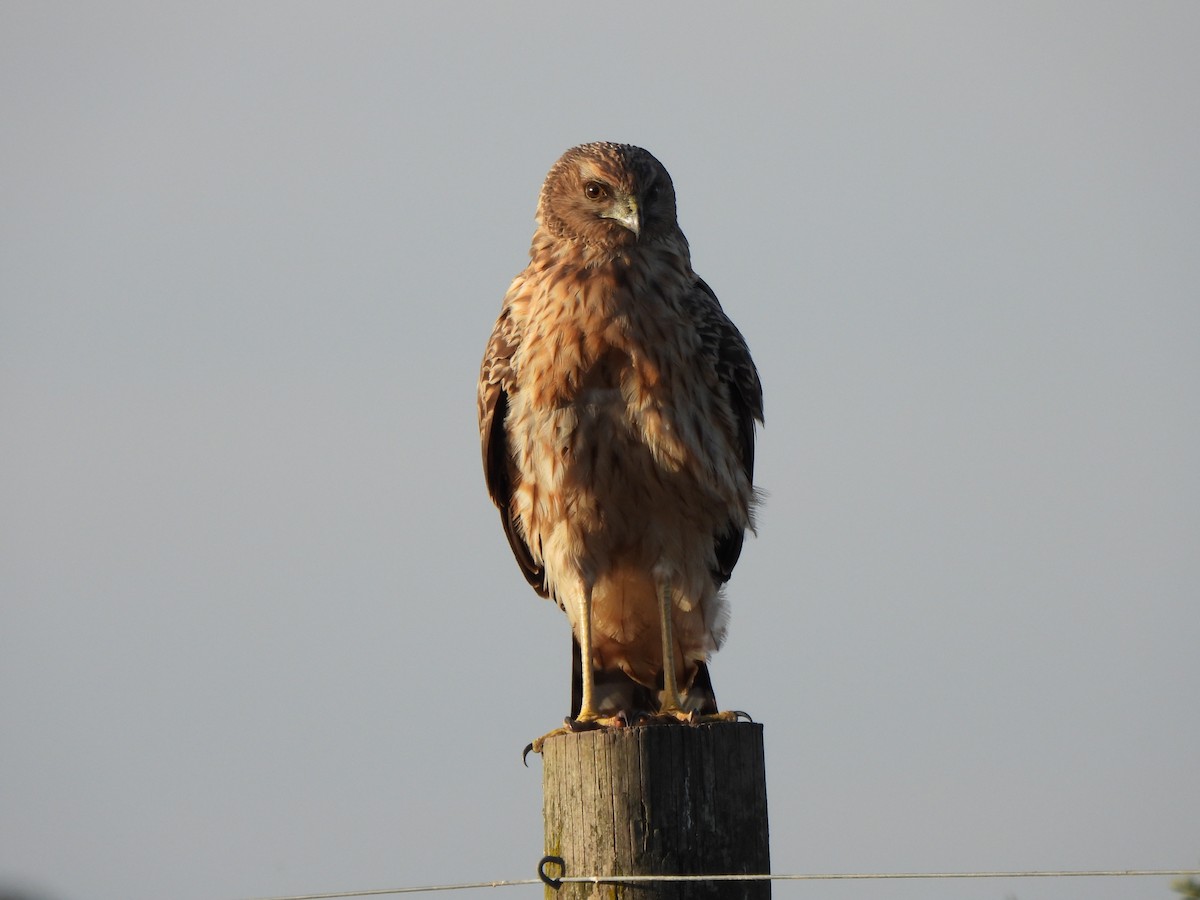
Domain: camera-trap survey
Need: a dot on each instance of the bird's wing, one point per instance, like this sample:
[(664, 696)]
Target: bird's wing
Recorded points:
[(496, 381), (736, 371)]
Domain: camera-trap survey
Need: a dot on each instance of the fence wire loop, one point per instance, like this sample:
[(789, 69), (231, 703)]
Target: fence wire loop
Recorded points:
[(555, 883)]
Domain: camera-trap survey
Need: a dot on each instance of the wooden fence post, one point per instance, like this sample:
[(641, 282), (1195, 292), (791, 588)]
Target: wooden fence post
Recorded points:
[(658, 800)]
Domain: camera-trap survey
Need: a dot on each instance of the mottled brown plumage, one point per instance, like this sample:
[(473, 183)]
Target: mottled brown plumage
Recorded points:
[(617, 406)]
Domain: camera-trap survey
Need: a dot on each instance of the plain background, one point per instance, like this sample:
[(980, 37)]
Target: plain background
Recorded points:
[(260, 631)]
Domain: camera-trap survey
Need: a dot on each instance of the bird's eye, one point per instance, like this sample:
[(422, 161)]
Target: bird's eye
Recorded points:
[(594, 190)]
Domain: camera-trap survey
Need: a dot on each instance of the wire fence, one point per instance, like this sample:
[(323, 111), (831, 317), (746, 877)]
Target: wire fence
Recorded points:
[(804, 876)]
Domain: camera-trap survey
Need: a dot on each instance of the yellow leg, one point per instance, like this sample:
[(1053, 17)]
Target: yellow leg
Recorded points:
[(587, 705), (588, 717), (672, 703)]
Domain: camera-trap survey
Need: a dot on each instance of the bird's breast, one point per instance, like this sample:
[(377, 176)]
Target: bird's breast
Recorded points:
[(614, 395)]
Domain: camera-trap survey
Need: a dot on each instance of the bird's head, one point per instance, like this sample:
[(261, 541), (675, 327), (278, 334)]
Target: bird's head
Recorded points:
[(608, 195)]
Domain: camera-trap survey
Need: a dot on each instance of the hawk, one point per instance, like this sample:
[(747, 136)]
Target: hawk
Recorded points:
[(617, 408)]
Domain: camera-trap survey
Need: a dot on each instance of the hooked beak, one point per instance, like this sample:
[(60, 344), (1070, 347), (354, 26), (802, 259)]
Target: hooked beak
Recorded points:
[(628, 213)]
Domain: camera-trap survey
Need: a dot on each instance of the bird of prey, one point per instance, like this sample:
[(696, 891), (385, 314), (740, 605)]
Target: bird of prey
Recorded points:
[(617, 408)]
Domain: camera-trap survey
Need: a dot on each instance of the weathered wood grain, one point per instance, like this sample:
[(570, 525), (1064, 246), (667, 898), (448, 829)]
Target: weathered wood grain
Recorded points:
[(660, 799)]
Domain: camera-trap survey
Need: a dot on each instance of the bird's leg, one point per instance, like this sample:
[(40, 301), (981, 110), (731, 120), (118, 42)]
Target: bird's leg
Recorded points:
[(672, 709), (588, 717), (587, 705), (672, 702)]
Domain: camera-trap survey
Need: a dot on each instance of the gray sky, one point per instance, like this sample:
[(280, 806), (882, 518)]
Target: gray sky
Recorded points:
[(261, 632)]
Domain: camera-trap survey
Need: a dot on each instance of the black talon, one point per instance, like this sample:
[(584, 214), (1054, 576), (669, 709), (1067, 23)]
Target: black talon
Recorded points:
[(741, 714), (525, 754)]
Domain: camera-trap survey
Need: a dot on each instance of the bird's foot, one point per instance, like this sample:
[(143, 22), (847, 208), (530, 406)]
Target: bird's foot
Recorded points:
[(727, 715), (571, 726), (691, 717), (668, 716)]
